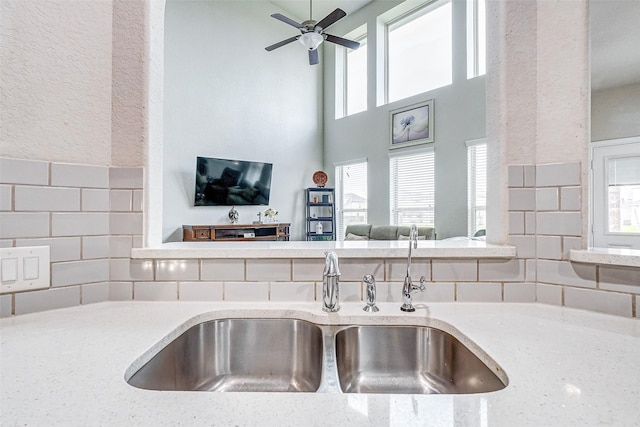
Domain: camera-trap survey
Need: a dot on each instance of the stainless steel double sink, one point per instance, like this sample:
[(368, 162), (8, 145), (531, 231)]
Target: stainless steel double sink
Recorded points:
[(291, 355)]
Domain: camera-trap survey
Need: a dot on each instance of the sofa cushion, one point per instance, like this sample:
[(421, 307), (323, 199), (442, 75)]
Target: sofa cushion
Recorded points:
[(383, 232), (403, 237), (358, 229), (427, 232), (351, 236)]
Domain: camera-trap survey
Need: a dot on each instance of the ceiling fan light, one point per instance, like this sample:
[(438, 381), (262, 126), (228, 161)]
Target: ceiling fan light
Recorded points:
[(311, 40)]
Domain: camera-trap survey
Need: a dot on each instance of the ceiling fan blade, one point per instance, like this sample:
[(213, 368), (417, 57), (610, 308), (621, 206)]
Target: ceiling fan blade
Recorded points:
[(280, 44), (330, 19), (313, 57), (342, 42), (286, 20)]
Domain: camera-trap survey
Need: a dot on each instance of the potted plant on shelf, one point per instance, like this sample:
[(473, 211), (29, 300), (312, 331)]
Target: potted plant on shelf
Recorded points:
[(271, 214)]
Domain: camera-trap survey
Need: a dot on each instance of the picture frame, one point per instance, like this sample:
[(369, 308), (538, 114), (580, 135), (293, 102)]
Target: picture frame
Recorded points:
[(412, 125)]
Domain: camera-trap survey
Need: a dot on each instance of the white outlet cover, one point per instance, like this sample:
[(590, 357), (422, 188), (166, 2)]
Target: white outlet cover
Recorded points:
[(27, 267)]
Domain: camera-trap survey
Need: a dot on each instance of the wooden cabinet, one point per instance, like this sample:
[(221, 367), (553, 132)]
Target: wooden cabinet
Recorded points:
[(235, 232), (320, 210)]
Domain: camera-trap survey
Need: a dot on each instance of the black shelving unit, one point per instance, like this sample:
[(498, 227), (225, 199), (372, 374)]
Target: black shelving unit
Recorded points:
[(320, 203)]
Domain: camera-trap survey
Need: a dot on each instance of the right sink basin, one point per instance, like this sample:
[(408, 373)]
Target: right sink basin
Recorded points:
[(409, 360)]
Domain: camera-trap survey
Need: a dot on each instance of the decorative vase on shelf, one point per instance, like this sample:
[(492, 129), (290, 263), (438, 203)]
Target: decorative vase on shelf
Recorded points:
[(233, 215), (319, 228)]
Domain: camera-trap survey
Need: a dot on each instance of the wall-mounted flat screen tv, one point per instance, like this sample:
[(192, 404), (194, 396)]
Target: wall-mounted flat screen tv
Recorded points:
[(224, 182)]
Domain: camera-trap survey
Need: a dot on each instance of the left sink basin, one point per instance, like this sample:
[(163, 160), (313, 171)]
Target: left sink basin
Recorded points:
[(268, 355)]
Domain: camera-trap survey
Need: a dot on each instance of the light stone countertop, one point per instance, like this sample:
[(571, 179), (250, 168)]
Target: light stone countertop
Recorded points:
[(607, 256), (565, 367), (448, 248)]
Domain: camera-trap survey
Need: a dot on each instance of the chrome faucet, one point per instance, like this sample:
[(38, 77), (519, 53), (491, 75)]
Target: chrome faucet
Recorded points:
[(408, 285), (371, 306), (330, 288)]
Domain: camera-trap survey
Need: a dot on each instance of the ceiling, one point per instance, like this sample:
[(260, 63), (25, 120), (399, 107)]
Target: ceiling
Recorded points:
[(299, 9)]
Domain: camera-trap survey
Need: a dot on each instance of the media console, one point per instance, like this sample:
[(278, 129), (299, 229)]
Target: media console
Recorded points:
[(236, 232)]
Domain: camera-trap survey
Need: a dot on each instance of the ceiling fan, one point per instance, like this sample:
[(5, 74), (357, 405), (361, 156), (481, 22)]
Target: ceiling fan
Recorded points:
[(312, 33)]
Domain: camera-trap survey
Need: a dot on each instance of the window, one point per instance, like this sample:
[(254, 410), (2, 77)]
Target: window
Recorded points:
[(419, 51), (476, 186), (351, 75), (412, 188), (616, 193), (476, 38), (351, 195)]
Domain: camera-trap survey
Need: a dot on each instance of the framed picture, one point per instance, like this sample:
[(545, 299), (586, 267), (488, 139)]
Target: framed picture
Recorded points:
[(412, 125)]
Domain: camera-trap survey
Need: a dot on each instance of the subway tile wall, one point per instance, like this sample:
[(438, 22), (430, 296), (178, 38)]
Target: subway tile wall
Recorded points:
[(92, 216)]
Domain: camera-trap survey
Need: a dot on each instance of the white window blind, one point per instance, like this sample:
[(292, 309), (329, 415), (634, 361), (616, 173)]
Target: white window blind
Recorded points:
[(476, 187), (351, 195), (412, 188)]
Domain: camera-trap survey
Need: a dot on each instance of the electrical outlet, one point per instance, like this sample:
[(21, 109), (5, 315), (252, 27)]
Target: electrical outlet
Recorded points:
[(24, 269)]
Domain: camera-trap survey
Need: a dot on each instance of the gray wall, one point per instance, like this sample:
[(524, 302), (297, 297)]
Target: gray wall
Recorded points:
[(225, 96), (459, 116), (615, 112)]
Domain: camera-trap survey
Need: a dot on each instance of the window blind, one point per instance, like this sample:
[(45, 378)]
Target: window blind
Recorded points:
[(412, 188), (476, 188)]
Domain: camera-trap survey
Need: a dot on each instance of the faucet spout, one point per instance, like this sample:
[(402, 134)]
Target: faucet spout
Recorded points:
[(330, 283), (408, 285)]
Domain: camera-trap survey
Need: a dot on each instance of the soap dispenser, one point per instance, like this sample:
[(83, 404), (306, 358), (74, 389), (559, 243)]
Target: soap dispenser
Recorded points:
[(318, 228)]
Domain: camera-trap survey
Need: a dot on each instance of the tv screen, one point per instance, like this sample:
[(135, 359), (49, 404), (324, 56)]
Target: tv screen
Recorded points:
[(223, 182)]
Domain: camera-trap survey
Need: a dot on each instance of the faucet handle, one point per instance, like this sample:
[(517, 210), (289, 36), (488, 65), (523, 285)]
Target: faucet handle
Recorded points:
[(370, 281), (422, 286)]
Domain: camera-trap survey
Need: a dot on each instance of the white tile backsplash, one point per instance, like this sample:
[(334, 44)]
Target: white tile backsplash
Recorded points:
[(519, 292), (454, 270), (60, 248), (69, 175), (547, 199), (530, 222), (569, 243), (549, 247), (559, 223), (307, 269), (200, 291), (549, 294), (138, 200), (435, 292), (51, 199), (501, 270), (621, 279), (6, 195), (6, 301), (155, 291), (120, 246), (397, 269), (95, 200), (120, 291), (516, 176), (47, 299), (525, 246), (121, 200), (269, 270), (246, 291), (79, 224), (95, 247), (127, 270), (24, 224), (95, 292), (222, 270), (605, 302), (349, 292), (570, 198), (125, 177), (354, 269), (388, 291), (566, 273), (18, 171), (79, 272), (529, 176), (516, 222), (125, 223), (183, 270), (479, 292), (293, 291), (556, 175), (522, 199)]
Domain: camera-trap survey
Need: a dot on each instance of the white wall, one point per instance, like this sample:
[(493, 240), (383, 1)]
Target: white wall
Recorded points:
[(459, 116), (225, 96), (615, 112), (56, 80)]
